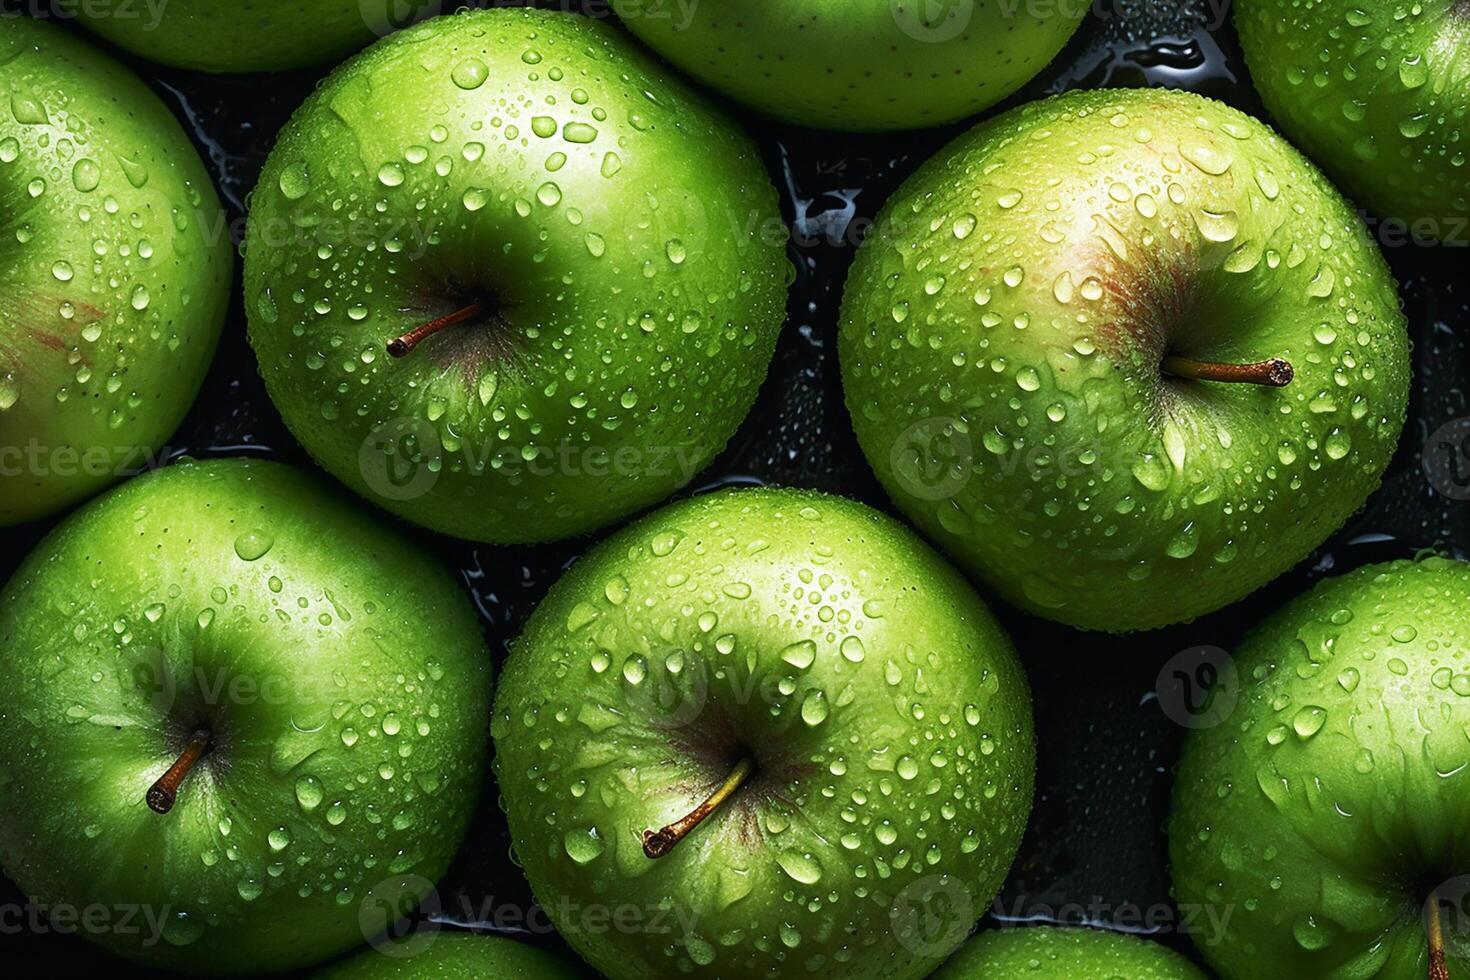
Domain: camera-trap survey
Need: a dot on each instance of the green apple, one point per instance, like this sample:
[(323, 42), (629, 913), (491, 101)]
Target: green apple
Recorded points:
[(1379, 94), (858, 64), (115, 270), (247, 35), (1333, 806), (764, 733), (573, 260), (455, 956), (1068, 349), (239, 707), (1046, 953)]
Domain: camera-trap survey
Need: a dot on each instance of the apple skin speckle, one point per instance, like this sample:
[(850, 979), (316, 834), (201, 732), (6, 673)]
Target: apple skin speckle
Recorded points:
[(1051, 953), (867, 66), (259, 35)]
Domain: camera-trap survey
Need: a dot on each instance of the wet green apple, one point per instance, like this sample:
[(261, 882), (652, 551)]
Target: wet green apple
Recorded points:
[(240, 707), (574, 262), (115, 270), (858, 64), (764, 733), (247, 35), (1125, 355), (454, 956), (1047, 953), (1379, 95), (1330, 811)]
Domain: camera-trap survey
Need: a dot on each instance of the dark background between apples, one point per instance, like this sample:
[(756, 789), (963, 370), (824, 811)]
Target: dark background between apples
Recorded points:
[(1095, 848)]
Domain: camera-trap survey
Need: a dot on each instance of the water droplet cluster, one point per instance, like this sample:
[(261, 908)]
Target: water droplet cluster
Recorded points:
[(347, 706), (1381, 99), (116, 269), (617, 229), (1004, 330), (888, 723), (1349, 741)]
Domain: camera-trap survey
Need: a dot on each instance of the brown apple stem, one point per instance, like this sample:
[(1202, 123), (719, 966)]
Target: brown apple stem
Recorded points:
[(657, 843), (403, 346), (1272, 373), (163, 794), (1439, 968)]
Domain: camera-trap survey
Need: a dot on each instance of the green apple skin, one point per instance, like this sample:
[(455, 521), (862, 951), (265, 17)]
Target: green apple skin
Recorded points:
[(115, 269), (1331, 803), (341, 673), (863, 65), (247, 35), (1048, 953), (1379, 94), (883, 707), (455, 956), (628, 253), (1002, 338)]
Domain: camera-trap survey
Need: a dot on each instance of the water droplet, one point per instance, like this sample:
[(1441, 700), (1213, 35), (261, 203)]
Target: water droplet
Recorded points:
[(814, 708), (253, 545), (295, 181), (579, 132), (583, 846), (469, 74), (391, 174), (86, 175), (801, 654)]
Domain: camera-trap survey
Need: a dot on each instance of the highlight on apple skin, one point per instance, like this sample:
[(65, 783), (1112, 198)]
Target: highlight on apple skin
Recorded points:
[(1329, 811), (239, 704), (779, 722), (1051, 953), (1379, 95), (867, 65), (115, 270), (509, 280), (1118, 341), (248, 35)]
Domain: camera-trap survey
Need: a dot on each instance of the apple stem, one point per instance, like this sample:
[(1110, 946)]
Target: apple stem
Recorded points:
[(657, 843), (1272, 373), (1439, 968), (403, 346), (165, 792)]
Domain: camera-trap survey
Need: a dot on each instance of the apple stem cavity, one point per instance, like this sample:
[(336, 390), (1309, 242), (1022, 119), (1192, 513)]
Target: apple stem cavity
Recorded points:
[(165, 792), (657, 843), (403, 346), (1439, 968), (1272, 373)]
